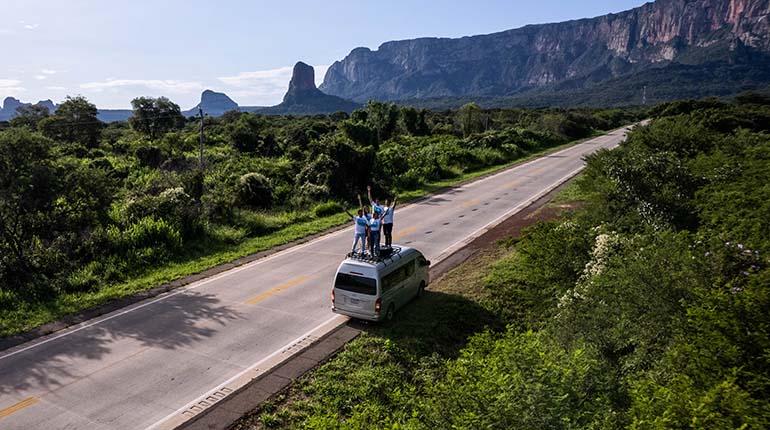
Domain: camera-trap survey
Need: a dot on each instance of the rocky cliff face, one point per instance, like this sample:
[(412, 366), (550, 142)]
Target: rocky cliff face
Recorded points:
[(587, 51)]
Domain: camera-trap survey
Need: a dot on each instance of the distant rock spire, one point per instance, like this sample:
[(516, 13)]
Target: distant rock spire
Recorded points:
[(302, 84)]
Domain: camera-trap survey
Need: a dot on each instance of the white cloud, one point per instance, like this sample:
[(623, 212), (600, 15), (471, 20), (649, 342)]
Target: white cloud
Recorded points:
[(49, 71), (169, 85), (31, 26), (56, 88), (265, 86), (40, 77), (9, 86)]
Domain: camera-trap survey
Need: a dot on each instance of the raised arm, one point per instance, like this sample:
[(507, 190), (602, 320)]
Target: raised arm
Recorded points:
[(369, 193), (350, 214), (393, 206), (360, 203)]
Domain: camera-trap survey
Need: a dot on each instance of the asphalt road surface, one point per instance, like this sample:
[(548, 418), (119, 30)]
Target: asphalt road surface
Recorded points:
[(136, 367)]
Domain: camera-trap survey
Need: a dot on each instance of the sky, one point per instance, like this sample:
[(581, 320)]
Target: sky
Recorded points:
[(113, 51)]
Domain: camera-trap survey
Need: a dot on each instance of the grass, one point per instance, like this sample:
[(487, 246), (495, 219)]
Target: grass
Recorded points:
[(28, 315)]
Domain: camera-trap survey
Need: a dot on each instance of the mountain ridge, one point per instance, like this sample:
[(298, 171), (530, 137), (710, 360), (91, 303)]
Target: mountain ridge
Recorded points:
[(537, 55)]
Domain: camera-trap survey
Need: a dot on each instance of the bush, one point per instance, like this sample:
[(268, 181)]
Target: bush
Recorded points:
[(150, 156), (147, 241), (326, 209), (254, 190)]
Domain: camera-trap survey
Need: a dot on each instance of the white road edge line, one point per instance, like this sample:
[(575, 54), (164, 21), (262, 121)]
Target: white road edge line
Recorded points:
[(109, 316)]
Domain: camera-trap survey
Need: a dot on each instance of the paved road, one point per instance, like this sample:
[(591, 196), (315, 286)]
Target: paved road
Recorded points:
[(136, 367)]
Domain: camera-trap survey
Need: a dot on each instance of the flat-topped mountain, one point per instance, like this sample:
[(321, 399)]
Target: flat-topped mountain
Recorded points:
[(10, 104), (213, 103), (583, 52)]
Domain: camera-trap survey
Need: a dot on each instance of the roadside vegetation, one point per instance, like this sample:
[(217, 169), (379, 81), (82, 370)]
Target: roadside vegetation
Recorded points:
[(90, 211), (644, 308)]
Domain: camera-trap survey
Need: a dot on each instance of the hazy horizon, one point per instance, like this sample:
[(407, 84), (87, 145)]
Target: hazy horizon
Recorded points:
[(177, 49)]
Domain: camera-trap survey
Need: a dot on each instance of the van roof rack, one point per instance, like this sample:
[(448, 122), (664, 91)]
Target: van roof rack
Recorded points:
[(386, 255)]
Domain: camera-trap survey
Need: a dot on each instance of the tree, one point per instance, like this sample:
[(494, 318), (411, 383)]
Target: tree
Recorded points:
[(74, 121), (48, 207), (472, 119), (29, 116), (383, 119), (155, 117), (414, 121)]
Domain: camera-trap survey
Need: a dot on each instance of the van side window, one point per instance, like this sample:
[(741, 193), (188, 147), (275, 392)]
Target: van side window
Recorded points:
[(409, 268), (397, 276)]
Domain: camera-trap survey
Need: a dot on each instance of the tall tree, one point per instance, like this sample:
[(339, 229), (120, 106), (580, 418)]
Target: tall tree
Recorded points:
[(471, 118), (74, 121), (155, 116), (29, 116)]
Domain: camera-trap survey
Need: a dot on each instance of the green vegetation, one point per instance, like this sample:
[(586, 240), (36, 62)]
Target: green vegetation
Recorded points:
[(91, 212), (647, 308)]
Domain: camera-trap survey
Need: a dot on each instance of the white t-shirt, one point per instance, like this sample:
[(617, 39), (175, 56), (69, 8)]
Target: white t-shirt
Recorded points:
[(388, 218)]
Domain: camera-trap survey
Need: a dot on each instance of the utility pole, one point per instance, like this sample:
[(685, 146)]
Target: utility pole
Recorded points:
[(200, 156)]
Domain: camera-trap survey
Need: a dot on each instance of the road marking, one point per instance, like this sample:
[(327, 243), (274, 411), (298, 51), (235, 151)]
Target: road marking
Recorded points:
[(470, 202), (29, 401), (404, 232), (275, 290)]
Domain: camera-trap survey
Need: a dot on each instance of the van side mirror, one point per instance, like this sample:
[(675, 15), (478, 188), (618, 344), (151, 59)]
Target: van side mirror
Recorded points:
[(424, 262)]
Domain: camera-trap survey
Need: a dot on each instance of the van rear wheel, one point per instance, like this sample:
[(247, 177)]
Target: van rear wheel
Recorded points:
[(421, 290), (390, 313)]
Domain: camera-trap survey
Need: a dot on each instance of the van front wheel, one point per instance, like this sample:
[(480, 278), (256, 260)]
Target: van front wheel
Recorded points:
[(390, 313)]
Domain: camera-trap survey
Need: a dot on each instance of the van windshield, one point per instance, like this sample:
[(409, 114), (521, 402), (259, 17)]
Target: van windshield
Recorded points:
[(356, 284)]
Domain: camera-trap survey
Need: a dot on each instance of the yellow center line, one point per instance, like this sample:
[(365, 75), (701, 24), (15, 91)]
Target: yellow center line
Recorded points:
[(29, 401), (470, 202), (403, 232), (277, 289)]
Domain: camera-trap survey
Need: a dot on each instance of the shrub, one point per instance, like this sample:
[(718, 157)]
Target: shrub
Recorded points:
[(147, 241), (149, 156), (254, 190), (327, 208)]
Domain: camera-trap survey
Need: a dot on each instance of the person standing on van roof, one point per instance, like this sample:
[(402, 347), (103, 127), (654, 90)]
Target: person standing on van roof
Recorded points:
[(368, 217), (374, 226), (387, 221), (374, 235), (375, 202), (361, 226), (376, 207)]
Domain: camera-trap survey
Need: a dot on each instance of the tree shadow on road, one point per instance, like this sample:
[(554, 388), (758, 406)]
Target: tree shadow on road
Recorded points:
[(178, 321)]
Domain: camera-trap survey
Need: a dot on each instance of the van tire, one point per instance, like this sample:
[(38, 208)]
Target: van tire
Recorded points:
[(390, 313), (421, 290)]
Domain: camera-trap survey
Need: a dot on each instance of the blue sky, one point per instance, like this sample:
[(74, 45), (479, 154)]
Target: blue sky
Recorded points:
[(113, 51)]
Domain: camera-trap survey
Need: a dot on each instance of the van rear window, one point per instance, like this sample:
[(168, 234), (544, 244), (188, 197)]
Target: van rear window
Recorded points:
[(356, 284)]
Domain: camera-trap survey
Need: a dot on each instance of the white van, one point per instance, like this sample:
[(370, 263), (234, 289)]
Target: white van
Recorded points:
[(373, 289)]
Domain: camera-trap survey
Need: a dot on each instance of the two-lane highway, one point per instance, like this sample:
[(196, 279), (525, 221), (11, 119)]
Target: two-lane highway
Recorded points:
[(143, 366)]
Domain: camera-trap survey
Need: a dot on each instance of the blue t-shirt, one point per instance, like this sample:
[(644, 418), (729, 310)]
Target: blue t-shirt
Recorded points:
[(361, 223), (374, 224), (377, 208)]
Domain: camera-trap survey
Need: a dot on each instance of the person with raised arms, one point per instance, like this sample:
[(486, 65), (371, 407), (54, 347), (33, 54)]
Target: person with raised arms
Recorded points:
[(360, 230), (376, 207), (387, 221)]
